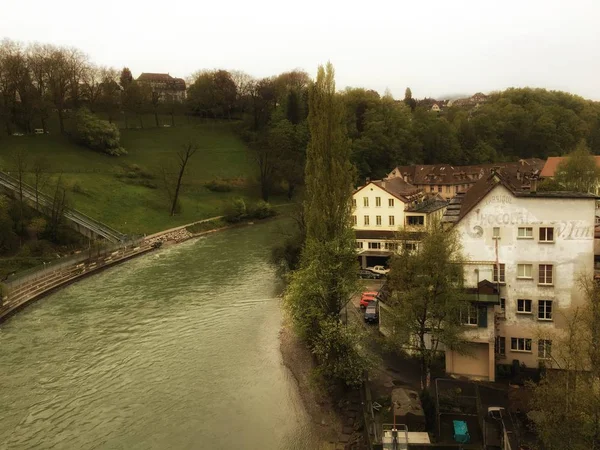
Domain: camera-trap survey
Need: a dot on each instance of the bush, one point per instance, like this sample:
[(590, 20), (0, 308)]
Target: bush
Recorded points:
[(218, 185), (97, 134), (261, 210), (236, 211)]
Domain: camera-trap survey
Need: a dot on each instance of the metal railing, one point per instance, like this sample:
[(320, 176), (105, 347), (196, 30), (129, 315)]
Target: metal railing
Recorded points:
[(75, 216)]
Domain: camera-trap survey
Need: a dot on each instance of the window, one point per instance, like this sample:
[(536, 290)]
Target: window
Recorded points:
[(354, 203), (391, 246), (391, 202), (523, 306), (374, 245), (366, 202), (520, 344), (500, 346), (525, 233), (545, 310), (378, 201), (410, 247), (378, 220), (430, 188), (502, 305), (392, 221), (496, 233), (439, 189), (354, 220), (359, 244), (546, 234), (545, 274), (524, 271), (469, 316), (544, 348), (502, 278), (415, 220), (366, 220)]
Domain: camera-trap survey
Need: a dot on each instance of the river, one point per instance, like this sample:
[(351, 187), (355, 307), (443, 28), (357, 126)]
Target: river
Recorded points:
[(175, 350)]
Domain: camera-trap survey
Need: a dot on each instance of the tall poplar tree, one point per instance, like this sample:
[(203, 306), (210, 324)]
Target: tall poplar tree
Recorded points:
[(326, 279)]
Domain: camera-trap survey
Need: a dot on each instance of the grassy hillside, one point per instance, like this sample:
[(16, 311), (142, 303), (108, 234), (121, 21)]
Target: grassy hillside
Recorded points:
[(99, 184)]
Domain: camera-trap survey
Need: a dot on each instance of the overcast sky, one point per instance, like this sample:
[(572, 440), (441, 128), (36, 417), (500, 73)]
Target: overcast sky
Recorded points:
[(438, 48)]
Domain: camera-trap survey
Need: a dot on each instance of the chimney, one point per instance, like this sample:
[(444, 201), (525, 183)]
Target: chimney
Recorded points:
[(367, 180), (533, 188), (518, 175)]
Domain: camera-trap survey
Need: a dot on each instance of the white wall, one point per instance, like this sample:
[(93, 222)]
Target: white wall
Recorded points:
[(571, 254), (372, 191)]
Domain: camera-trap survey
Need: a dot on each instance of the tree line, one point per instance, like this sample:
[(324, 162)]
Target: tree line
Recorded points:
[(39, 80)]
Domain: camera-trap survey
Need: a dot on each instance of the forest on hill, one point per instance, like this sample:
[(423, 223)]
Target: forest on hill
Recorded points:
[(38, 81)]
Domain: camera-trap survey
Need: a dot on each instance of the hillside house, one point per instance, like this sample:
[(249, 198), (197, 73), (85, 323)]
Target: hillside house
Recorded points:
[(525, 251), (169, 89)]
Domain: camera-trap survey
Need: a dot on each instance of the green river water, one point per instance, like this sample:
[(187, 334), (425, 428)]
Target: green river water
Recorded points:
[(177, 349)]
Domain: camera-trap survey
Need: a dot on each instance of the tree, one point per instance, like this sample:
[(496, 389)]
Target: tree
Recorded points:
[(21, 162), (56, 212), (97, 134), (566, 403), (183, 156), (126, 78), (326, 279), (155, 100), (409, 100), (579, 172), (426, 292)]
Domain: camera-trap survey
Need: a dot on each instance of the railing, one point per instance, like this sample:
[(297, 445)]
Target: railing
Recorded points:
[(28, 286), (75, 216)]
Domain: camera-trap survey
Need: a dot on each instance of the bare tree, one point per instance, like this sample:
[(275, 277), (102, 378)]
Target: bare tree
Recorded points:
[(183, 156), (57, 210), (93, 77), (20, 162)]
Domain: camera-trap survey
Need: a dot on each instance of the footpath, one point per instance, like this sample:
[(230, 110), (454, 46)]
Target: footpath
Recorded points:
[(24, 290)]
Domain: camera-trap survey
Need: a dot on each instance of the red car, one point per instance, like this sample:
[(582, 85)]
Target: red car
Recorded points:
[(367, 297)]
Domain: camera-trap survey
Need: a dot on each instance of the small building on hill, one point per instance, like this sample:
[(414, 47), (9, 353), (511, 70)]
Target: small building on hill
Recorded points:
[(169, 89)]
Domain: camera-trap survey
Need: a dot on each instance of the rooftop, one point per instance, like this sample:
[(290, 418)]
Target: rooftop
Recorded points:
[(462, 203), (549, 169)]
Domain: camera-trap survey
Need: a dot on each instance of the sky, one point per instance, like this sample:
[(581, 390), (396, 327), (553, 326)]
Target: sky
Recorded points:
[(437, 48)]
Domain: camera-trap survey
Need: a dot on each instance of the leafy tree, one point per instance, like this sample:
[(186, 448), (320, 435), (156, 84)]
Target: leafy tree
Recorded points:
[(409, 100), (426, 297), (126, 78), (326, 279), (566, 403), (97, 134), (579, 172)]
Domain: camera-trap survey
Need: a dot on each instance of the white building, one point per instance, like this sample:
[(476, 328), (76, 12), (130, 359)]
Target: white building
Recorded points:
[(525, 251), (384, 207)]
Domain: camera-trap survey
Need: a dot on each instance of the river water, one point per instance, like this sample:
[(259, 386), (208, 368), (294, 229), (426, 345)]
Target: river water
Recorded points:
[(175, 350)]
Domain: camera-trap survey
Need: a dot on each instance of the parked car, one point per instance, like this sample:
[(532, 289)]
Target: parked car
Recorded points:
[(367, 297), (364, 273), (381, 270), (372, 312)]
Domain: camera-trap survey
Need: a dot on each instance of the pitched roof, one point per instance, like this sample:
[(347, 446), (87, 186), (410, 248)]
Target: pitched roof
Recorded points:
[(460, 205), (444, 174), (174, 83), (394, 186), (429, 205), (549, 169)]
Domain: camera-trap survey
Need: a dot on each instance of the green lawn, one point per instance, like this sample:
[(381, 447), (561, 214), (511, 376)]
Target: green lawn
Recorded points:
[(95, 189)]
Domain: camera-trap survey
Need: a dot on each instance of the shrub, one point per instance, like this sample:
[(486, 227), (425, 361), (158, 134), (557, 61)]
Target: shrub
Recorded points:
[(97, 134), (218, 185), (261, 210), (236, 211)]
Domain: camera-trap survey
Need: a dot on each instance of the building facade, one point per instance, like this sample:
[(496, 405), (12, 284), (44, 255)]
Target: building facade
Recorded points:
[(525, 252), (168, 88), (448, 180), (381, 209)]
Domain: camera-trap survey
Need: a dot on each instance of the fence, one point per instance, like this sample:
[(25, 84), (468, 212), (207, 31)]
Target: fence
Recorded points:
[(40, 199), (29, 286)]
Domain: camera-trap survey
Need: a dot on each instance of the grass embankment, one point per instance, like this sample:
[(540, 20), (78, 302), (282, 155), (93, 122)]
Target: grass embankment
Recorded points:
[(127, 192)]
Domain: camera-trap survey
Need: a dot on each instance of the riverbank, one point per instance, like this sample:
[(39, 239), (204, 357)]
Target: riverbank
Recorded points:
[(337, 424)]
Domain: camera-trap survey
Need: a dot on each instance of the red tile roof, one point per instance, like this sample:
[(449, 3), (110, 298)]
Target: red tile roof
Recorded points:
[(552, 163)]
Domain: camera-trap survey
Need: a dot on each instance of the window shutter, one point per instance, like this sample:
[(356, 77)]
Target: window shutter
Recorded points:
[(482, 319)]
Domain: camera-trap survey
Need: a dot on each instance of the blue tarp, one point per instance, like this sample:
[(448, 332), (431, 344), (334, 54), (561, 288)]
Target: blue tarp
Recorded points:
[(461, 432)]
